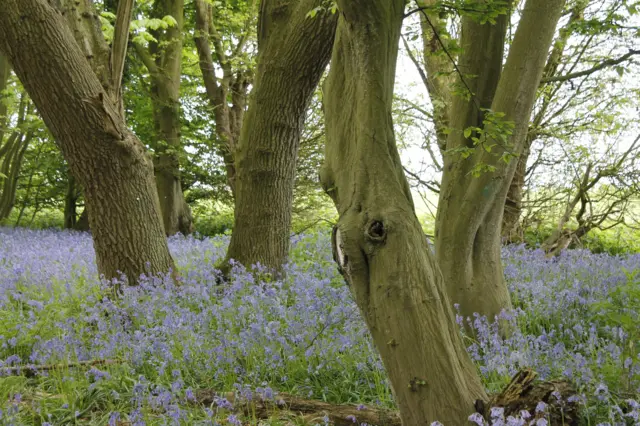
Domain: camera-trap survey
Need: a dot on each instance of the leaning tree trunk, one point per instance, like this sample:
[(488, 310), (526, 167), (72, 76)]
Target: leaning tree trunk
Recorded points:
[(293, 52), (106, 158), (512, 231), (378, 241), (473, 190)]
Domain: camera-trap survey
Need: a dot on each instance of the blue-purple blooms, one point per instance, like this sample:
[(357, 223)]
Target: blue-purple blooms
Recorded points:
[(258, 336)]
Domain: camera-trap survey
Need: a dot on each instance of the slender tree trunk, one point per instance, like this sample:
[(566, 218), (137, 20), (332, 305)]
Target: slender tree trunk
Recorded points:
[(12, 154), (106, 158), (232, 85), (512, 232), (83, 221), (471, 206), (293, 52), (70, 199), (163, 60), (379, 244)]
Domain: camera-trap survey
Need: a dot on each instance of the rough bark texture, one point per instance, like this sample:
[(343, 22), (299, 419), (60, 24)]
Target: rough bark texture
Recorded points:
[(232, 86), (105, 157), (470, 209), (378, 241), (293, 52), (163, 60)]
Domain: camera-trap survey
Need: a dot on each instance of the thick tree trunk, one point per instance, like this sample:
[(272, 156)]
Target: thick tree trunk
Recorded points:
[(378, 241), (106, 158), (470, 210), (293, 52)]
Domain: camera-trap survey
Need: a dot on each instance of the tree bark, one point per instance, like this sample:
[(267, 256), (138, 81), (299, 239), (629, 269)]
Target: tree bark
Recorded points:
[(106, 158), (293, 52), (378, 242), (512, 232), (70, 199), (163, 60), (470, 209), (233, 85)]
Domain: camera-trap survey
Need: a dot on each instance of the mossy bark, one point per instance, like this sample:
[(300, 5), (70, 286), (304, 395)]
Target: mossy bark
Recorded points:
[(378, 241), (106, 158), (293, 51)]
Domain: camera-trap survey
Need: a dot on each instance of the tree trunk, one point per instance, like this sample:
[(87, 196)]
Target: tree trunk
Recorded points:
[(378, 242), (12, 153), (293, 52), (163, 60), (233, 85), (83, 221), (70, 199), (512, 232), (473, 190), (106, 158)]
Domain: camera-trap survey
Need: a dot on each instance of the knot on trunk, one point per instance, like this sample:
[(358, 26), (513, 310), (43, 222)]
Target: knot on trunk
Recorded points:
[(376, 232)]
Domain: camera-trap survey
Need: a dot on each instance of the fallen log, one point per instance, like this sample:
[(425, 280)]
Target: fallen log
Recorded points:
[(30, 370), (520, 394), (310, 411)]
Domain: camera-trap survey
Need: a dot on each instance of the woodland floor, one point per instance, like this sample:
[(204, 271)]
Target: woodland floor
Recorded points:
[(197, 353)]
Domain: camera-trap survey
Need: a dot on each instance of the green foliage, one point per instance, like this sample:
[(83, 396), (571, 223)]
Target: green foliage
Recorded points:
[(622, 309), (211, 218)]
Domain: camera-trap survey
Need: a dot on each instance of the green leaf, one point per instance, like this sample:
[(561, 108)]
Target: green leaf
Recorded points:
[(467, 132), (170, 20)]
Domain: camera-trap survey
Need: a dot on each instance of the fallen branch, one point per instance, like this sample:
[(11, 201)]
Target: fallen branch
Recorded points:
[(30, 370), (520, 394), (309, 410)]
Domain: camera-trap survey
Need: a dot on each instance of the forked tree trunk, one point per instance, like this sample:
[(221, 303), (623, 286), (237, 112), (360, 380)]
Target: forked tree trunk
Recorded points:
[(378, 241), (106, 158), (470, 209), (293, 52)]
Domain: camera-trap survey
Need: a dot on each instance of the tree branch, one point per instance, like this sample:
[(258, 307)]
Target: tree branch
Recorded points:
[(146, 59), (602, 65), (119, 45)]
